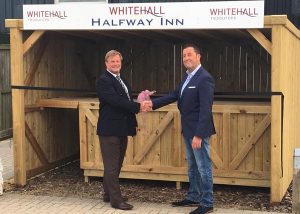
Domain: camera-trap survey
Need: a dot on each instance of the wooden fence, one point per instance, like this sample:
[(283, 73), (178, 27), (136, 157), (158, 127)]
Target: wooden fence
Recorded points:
[(240, 150), (5, 93)]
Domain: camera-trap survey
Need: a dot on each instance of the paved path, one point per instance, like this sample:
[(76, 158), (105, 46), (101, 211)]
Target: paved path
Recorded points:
[(16, 203)]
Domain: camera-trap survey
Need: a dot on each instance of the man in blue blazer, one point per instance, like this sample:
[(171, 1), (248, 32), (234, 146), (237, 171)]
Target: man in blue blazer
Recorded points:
[(194, 97), (116, 121)]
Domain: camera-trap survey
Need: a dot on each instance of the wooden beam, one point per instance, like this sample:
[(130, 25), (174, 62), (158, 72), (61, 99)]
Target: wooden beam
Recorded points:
[(238, 107), (215, 158), (17, 78), (107, 34), (140, 175), (275, 20), (140, 168), (242, 182), (59, 103), (155, 169), (36, 62), (261, 39), (171, 170), (82, 35), (92, 118), (83, 136), (130, 150), (293, 29), (33, 108), (91, 103), (207, 34), (256, 175), (35, 36), (153, 137), (148, 36), (14, 23), (177, 145), (36, 147), (260, 129)]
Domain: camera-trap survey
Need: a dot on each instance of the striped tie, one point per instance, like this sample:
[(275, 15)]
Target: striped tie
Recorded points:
[(123, 85)]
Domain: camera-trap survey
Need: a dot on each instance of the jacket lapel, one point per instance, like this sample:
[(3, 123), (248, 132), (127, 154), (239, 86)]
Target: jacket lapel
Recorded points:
[(118, 86), (193, 81)]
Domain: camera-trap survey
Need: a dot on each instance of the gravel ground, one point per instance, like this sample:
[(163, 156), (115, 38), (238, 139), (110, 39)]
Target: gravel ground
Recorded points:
[(67, 180)]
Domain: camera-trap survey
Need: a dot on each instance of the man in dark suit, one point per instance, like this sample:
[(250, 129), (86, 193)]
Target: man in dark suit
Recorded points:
[(116, 121), (194, 97)]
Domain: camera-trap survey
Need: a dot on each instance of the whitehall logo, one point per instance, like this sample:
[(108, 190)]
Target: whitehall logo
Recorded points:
[(46, 14), (233, 12)]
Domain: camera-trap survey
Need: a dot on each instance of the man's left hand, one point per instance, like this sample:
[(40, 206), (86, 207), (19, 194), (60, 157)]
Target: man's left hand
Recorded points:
[(197, 142)]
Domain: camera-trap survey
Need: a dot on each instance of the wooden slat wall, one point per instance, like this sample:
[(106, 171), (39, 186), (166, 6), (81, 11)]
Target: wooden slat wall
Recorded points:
[(5, 90), (238, 68), (237, 124), (64, 64), (146, 65), (157, 65)]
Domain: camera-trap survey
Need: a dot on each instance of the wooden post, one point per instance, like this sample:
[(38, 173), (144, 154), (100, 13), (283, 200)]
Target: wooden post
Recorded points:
[(17, 78), (276, 161)]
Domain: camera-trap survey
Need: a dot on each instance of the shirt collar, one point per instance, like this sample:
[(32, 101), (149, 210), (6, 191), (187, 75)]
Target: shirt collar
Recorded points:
[(115, 75), (194, 71)]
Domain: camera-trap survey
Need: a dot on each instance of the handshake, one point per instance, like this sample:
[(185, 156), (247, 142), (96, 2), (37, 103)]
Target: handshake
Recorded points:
[(146, 106), (145, 101)]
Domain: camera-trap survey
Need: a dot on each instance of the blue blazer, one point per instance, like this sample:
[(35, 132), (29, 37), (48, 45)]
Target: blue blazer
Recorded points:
[(195, 104)]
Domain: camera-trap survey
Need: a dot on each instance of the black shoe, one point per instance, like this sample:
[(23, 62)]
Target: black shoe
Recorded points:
[(106, 199), (185, 203), (122, 206), (202, 210)]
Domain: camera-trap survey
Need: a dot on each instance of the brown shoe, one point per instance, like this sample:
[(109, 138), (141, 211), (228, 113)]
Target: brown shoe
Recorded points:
[(122, 206)]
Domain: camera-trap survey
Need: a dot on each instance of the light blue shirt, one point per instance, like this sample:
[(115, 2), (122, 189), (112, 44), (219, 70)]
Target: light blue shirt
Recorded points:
[(189, 77)]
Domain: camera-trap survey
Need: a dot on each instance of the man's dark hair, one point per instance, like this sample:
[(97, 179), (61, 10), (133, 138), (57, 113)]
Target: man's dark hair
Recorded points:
[(190, 45)]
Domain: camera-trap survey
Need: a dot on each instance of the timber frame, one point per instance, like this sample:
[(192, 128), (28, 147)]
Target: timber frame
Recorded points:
[(284, 48)]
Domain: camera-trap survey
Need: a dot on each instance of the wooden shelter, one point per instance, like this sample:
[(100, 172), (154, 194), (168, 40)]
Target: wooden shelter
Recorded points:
[(255, 137)]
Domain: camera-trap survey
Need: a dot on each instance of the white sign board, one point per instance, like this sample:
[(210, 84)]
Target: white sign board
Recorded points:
[(179, 15)]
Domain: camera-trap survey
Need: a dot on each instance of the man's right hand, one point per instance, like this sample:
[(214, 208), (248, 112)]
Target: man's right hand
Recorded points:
[(146, 106)]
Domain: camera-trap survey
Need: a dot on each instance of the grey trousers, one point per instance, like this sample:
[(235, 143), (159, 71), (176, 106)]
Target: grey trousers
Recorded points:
[(113, 149)]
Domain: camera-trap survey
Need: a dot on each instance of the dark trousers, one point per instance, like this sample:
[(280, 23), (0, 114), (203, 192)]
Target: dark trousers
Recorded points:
[(113, 150)]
